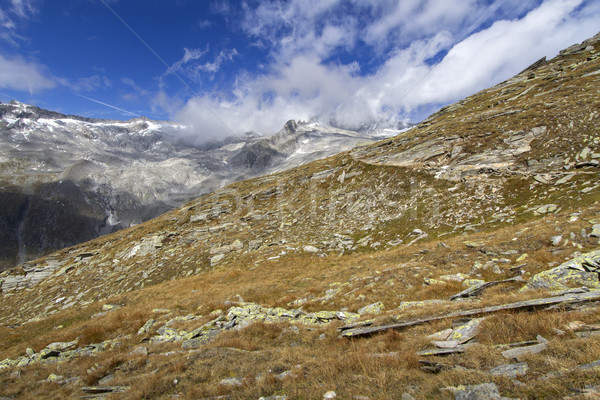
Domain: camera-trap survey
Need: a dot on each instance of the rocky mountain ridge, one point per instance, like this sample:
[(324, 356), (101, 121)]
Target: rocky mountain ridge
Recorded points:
[(68, 179), (456, 260)]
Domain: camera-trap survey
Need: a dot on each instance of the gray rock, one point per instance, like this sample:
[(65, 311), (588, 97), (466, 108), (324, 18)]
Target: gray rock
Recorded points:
[(445, 344), (580, 271), (595, 231), (33, 276), (139, 351), (510, 370), (556, 240), (147, 326), (541, 179), (199, 217), (590, 366), (519, 352), (310, 249), (465, 332), (62, 346), (104, 389), (106, 380), (375, 308), (547, 209), (232, 382), (584, 153), (484, 391), (54, 378), (564, 179), (201, 340), (215, 259)]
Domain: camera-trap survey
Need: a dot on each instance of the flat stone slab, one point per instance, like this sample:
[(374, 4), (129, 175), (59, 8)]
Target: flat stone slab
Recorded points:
[(478, 288), (519, 352), (442, 352), (104, 389), (527, 305), (511, 370), (465, 332)]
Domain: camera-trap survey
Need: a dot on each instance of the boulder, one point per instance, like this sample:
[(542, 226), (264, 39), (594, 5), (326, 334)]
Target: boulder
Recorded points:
[(580, 271)]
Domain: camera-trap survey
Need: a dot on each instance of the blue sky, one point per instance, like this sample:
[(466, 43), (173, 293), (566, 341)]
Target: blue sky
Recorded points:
[(229, 66)]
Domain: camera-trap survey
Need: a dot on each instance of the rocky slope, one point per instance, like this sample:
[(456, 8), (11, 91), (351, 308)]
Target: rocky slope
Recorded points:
[(66, 179), (470, 242)]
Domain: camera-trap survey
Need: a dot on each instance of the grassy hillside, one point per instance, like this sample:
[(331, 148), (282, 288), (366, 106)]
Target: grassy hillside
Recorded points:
[(247, 287)]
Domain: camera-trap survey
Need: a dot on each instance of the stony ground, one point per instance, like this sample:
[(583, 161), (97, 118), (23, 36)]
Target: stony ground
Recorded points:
[(457, 260)]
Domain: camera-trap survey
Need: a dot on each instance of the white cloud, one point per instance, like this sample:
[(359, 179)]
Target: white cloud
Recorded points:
[(12, 14), (89, 83), (190, 68), (23, 8), (299, 27), (504, 49), (18, 74), (304, 37), (213, 66)]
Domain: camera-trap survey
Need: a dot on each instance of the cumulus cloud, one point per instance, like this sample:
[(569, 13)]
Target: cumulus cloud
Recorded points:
[(18, 74), (414, 55), (507, 47)]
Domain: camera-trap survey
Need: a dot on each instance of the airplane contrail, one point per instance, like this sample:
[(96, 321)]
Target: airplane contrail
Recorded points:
[(106, 104)]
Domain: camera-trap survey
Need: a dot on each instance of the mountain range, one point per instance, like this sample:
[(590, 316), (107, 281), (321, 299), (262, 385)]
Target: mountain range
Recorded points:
[(67, 179)]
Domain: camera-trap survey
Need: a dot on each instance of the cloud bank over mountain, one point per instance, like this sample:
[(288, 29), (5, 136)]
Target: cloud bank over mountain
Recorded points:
[(424, 54)]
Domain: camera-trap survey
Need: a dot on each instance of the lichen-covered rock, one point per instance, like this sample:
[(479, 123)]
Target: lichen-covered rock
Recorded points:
[(432, 281), (147, 326), (580, 271), (375, 308), (54, 378), (546, 209), (590, 366), (465, 332), (110, 307), (410, 304)]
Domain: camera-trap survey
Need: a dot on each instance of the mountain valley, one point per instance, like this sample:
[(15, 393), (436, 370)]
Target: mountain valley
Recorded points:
[(67, 179)]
